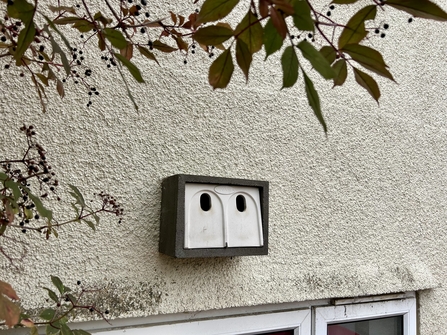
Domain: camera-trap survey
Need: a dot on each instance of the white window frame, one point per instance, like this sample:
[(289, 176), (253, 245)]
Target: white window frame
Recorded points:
[(339, 313), (299, 320)]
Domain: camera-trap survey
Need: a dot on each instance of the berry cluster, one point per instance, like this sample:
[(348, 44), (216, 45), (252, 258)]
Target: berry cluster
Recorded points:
[(136, 7), (32, 167), (110, 205), (377, 30)]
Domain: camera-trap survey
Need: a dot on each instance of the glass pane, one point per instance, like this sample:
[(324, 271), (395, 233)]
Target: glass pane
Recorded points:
[(383, 326), (284, 332)]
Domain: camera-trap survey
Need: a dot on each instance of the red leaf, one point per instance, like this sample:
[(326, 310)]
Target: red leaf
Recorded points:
[(279, 23)]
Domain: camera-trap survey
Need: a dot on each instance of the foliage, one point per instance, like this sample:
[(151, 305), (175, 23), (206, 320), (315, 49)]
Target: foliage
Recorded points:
[(25, 183), (37, 43)]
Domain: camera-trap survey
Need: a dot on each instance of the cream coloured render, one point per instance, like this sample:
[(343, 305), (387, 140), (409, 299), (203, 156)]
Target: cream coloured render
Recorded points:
[(361, 211)]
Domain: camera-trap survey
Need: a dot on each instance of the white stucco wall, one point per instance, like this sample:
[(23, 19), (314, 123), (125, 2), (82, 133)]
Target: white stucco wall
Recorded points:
[(359, 212)]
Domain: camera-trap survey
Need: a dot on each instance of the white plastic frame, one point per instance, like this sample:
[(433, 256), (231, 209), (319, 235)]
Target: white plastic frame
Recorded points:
[(364, 311), (299, 320)]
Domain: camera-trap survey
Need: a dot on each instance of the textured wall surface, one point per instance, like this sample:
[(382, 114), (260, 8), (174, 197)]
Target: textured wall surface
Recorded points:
[(360, 211)]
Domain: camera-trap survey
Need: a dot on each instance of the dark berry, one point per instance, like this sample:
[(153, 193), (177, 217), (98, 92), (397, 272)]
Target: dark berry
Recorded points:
[(377, 31), (147, 14), (386, 26), (24, 231), (3, 39), (6, 66), (41, 48), (142, 30), (185, 61), (36, 217), (328, 13), (78, 282), (22, 223), (332, 7), (382, 35), (309, 35), (410, 20), (107, 311)]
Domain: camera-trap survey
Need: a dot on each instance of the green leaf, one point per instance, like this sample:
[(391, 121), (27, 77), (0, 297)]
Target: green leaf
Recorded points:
[(212, 35), (57, 48), (146, 53), (162, 46), (221, 70), (115, 37), (51, 24), (129, 93), (39, 206), (90, 224), (344, 2), (84, 26), (243, 57), (77, 195), (329, 53), (65, 330), (131, 67), (368, 83), (49, 330), (419, 8), (272, 39), (3, 227), (96, 217), (47, 314), (68, 20), (101, 18), (250, 31), (14, 187), (354, 30), (34, 331), (53, 296), (318, 61), (213, 10), (26, 36), (302, 17), (58, 283), (368, 58), (289, 62), (23, 11), (314, 100), (341, 72), (42, 78), (28, 213)]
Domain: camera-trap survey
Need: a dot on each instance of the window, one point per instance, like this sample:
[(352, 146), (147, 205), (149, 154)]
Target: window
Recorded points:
[(281, 323), (393, 314), (393, 317)]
